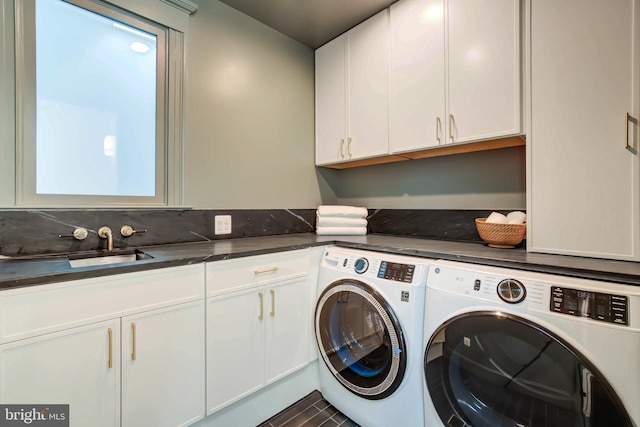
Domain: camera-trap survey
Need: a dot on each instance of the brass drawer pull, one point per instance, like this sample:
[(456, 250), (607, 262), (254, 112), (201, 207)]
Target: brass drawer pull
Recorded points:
[(261, 315), (110, 331), (627, 143), (133, 336), (268, 270), (451, 127), (273, 303)]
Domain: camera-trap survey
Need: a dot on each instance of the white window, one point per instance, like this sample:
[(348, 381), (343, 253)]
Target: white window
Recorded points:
[(96, 96)]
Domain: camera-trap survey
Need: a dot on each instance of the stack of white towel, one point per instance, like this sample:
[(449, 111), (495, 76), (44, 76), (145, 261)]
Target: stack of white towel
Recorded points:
[(341, 220)]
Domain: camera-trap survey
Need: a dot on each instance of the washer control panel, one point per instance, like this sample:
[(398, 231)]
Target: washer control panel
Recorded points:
[(374, 266), (396, 271), (594, 305)]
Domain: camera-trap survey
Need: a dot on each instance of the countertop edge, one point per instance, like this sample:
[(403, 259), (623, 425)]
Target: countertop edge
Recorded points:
[(17, 273)]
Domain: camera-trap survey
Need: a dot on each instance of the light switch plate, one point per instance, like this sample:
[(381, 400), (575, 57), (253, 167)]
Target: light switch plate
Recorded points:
[(222, 224)]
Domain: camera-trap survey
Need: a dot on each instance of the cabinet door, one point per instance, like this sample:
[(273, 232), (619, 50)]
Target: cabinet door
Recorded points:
[(368, 88), (331, 101), (235, 346), (286, 328), (78, 366), (583, 195), (417, 70), (163, 367), (483, 69)]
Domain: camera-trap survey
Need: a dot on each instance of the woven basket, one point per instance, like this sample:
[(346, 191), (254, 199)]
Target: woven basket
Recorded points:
[(501, 235)]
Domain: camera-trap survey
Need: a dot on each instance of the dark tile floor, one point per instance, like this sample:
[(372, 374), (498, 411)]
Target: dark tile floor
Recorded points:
[(310, 411)]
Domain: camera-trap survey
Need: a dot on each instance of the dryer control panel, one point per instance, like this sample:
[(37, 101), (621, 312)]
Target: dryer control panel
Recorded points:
[(594, 305)]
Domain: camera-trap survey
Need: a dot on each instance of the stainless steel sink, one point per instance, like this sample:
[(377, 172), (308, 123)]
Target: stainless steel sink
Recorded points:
[(95, 260)]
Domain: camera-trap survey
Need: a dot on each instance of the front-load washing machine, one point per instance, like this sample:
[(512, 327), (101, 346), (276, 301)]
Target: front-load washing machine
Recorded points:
[(369, 325), (514, 348)]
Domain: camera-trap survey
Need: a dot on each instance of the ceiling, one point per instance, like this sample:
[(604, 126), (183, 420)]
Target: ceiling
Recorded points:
[(311, 22)]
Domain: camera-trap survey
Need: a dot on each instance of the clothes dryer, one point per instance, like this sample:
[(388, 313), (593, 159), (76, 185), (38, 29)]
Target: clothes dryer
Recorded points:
[(369, 325), (514, 348)]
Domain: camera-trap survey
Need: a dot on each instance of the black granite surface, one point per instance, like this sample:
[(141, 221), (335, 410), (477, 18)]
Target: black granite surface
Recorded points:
[(36, 232), (445, 224), (29, 271)]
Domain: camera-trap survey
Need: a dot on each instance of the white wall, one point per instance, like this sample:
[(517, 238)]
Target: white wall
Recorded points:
[(249, 115)]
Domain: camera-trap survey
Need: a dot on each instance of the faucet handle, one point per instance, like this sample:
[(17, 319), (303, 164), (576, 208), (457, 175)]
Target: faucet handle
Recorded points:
[(80, 233), (128, 230)]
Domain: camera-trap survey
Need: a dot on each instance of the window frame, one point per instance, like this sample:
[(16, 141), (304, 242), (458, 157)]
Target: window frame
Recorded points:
[(15, 139)]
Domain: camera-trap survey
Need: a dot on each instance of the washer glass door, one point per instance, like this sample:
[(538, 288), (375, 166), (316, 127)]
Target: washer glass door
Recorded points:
[(492, 369), (360, 339)]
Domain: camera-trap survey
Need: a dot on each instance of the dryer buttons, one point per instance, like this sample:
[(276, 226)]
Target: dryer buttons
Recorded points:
[(361, 265), (511, 291)]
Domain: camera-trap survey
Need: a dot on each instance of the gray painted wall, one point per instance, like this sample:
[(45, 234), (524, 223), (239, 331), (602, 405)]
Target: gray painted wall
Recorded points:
[(250, 135), (249, 115), (483, 180)]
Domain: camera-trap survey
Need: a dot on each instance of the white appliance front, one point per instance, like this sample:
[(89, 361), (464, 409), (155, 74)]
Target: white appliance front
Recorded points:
[(512, 348), (369, 324)]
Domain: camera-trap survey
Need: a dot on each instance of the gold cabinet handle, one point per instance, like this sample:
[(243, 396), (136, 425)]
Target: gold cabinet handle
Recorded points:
[(349, 147), (342, 148), (451, 127), (110, 331), (266, 270), (627, 124), (261, 315), (438, 129), (273, 303), (133, 339)]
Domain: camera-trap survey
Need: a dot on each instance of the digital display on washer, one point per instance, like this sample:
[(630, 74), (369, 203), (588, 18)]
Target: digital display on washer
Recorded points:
[(396, 271), (594, 305)]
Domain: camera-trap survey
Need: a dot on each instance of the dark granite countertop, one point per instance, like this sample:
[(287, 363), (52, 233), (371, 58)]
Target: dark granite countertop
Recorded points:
[(18, 272)]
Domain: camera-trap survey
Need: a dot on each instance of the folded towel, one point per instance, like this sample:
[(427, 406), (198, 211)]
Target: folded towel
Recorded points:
[(341, 231), (342, 211), (336, 221)]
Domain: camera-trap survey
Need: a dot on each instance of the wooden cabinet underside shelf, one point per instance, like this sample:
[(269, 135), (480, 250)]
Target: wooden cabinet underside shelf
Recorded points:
[(443, 150)]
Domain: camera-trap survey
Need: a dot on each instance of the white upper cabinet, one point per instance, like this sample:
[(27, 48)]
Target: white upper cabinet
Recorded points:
[(417, 75), (352, 93), (484, 69), (455, 72), (583, 179), (331, 101)]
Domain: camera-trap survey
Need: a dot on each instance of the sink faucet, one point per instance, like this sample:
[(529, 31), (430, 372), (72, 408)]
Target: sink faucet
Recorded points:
[(105, 233)]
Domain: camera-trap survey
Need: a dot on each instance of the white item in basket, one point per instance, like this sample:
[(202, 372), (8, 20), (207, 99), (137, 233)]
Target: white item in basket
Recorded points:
[(496, 218), (342, 211), (516, 217), (341, 231)]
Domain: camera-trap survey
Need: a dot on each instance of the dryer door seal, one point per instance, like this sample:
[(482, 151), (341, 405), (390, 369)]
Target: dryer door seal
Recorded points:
[(496, 369), (360, 339)]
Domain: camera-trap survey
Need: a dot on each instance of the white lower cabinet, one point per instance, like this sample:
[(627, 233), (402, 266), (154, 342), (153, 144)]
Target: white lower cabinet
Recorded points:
[(257, 330), (79, 367), (143, 365), (163, 366)]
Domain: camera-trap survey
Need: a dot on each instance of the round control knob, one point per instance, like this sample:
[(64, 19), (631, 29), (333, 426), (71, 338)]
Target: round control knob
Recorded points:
[(361, 265), (511, 291)]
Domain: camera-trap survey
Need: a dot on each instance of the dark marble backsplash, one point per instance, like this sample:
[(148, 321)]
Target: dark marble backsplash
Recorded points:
[(32, 232), (442, 224), (35, 232)]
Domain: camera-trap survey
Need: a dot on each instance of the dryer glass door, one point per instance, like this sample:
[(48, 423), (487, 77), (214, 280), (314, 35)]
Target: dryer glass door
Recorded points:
[(492, 369), (360, 339)]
